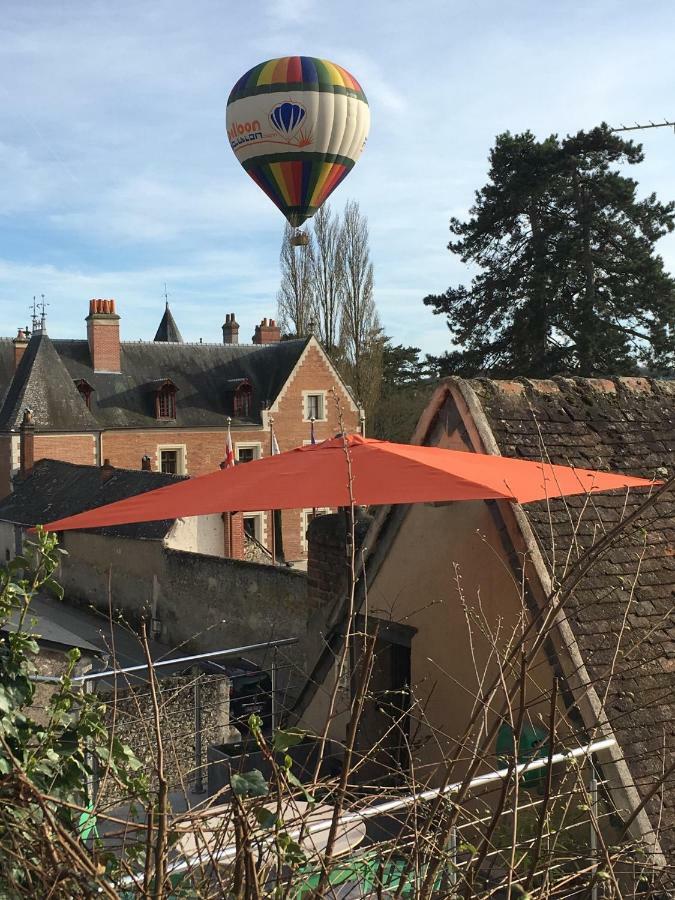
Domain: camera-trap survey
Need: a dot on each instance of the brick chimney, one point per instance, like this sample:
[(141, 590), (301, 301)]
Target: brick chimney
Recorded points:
[(230, 330), (107, 470), (268, 332), (20, 344), (103, 334), (328, 553), (26, 442), (233, 535)]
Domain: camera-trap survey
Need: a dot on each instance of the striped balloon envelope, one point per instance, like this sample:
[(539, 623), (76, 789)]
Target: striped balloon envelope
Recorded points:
[(297, 125)]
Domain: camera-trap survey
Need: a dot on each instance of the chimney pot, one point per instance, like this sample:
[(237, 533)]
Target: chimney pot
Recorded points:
[(26, 442), (20, 344)]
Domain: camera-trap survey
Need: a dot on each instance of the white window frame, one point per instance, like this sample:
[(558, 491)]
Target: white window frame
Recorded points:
[(181, 459), (304, 523), (248, 445), (261, 537), (324, 405)]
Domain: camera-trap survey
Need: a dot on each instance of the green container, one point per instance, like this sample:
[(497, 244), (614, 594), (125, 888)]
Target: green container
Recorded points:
[(533, 744)]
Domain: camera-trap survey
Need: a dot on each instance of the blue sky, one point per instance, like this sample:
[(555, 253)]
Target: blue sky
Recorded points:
[(117, 175)]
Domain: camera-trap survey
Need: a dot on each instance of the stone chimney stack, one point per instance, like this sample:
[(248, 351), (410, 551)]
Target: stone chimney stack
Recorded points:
[(268, 332), (230, 330), (26, 442), (103, 334), (20, 344)]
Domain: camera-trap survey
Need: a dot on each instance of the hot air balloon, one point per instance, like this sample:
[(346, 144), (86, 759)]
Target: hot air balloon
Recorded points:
[(297, 125)]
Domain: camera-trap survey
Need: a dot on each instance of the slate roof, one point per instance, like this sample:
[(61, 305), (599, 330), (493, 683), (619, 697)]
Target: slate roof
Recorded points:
[(627, 425), (168, 330), (203, 375), (54, 489), (43, 383)]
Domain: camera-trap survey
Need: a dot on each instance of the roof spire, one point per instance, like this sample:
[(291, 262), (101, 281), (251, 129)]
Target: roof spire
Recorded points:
[(168, 330), (39, 314)]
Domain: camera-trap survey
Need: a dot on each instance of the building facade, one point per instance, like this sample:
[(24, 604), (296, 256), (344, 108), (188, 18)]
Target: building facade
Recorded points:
[(165, 405)]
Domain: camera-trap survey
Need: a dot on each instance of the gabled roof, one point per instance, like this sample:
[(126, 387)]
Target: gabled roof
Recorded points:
[(622, 612), (168, 330), (43, 384), (53, 489)]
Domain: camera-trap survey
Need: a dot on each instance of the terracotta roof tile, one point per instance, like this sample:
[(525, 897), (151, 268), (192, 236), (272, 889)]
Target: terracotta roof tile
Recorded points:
[(624, 608)]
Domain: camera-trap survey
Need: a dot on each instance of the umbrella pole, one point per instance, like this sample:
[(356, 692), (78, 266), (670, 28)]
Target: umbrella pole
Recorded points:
[(273, 540)]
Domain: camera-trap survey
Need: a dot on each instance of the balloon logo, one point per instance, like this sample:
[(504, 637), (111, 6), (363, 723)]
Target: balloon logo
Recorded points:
[(297, 125), (286, 117)]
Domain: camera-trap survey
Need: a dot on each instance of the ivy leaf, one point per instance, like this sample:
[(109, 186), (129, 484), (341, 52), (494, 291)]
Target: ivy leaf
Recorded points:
[(250, 784), (295, 781), (284, 740), (265, 817)]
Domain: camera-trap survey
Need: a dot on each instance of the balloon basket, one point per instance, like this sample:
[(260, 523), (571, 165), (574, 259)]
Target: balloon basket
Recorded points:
[(299, 239)]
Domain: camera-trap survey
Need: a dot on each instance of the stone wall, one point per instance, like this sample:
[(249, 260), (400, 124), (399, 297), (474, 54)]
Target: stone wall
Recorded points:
[(202, 603), (131, 719)]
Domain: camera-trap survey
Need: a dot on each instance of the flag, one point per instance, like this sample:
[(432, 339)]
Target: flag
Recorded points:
[(312, 439), (275, 446), (229, 452)]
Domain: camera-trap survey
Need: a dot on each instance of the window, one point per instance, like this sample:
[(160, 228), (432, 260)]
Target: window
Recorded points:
[(244, 453), (243, 397), (171, 460), (86, 390), (314, 403), (253, 526), (168, 462), (165, 401), (308, 515)]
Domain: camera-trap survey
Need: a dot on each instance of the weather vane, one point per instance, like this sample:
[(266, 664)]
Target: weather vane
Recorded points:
[(34, 313), (42, 308)]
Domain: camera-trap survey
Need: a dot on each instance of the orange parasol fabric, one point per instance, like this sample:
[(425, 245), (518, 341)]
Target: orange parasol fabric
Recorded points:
[(380, 472)]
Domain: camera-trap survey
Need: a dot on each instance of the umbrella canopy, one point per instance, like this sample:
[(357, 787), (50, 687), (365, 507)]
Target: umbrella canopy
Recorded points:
[(379, 472)]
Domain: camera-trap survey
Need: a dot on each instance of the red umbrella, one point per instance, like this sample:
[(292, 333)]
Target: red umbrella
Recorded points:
[(380, 473)]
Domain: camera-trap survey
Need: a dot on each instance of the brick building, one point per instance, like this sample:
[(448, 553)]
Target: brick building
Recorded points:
[(165, 404)]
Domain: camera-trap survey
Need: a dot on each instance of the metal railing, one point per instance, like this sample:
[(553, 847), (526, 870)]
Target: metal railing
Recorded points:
[(229, 852), (176, 661)]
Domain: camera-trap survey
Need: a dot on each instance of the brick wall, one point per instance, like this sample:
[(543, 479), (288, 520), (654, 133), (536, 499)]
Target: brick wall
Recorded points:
[(73, 448)]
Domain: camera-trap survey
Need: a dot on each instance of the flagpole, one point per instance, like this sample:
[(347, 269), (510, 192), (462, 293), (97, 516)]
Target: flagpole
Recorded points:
[(273, 540), (313, 441)]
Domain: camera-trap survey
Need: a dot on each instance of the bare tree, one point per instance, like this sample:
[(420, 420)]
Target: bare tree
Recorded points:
[(328, 273), (361, 327), (295, 297)]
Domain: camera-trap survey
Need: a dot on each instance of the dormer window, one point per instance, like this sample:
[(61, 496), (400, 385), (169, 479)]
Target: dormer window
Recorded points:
[(85, 390), (165, 400), (243, 400)]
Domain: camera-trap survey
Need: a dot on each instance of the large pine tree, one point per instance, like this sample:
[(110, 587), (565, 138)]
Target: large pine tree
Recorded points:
[(568, 278)]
